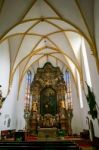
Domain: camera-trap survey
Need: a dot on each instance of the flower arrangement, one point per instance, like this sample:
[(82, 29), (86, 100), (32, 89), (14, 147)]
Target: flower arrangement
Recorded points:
[(61, 133)]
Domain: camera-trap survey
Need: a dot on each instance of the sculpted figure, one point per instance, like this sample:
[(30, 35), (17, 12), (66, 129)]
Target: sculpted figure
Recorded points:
[(34, 106)]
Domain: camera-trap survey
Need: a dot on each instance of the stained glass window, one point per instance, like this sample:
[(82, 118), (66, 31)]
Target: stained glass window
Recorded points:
[(68, 92), (27, 93)]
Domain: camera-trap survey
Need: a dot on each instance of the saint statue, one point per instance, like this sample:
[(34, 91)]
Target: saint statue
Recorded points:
[(62, 104), (34, 106)]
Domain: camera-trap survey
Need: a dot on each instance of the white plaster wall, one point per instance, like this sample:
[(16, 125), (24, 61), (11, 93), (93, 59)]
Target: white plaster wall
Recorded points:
[(20, 107), (94, 73), (4, 67), (84, 91), (95, 85), (10, 105), (77, 122), (96, 127)]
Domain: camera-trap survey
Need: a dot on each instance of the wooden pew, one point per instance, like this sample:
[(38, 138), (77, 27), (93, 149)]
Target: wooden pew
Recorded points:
[(42, 145)]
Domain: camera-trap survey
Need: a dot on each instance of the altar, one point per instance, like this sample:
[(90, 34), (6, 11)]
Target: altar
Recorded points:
[(47, 133), (48, 111)]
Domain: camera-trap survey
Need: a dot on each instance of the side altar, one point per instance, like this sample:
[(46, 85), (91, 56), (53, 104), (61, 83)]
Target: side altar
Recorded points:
[(48, 112)]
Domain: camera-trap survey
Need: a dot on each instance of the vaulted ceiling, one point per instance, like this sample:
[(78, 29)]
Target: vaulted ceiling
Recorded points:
[(37, 31)]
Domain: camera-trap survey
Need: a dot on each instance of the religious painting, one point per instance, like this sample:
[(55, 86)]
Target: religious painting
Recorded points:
[(48, 101)]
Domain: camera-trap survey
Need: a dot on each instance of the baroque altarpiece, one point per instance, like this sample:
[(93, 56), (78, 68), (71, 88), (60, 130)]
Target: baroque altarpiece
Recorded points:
[(48, 90)]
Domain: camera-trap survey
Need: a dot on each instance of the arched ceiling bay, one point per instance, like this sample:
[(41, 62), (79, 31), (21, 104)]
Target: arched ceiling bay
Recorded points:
[(38, 30)]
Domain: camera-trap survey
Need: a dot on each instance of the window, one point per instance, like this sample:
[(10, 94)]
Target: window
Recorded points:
[(79, 90), (27, 94), (68, 92), (86, 65)]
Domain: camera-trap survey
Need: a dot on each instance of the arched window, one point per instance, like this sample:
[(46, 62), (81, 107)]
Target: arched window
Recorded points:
[(27, 103), (86, 63), (79, 90), (68, 92)]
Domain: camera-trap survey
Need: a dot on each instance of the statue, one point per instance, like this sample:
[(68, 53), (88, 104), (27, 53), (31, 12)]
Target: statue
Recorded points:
[(62, 104), (49, 121), (34, 106)]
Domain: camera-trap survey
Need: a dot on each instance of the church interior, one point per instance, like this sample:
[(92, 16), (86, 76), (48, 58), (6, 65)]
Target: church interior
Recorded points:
[(49, 73)]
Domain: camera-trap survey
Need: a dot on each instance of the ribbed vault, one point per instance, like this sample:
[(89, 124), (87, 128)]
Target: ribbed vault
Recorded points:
[(37, 31)]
